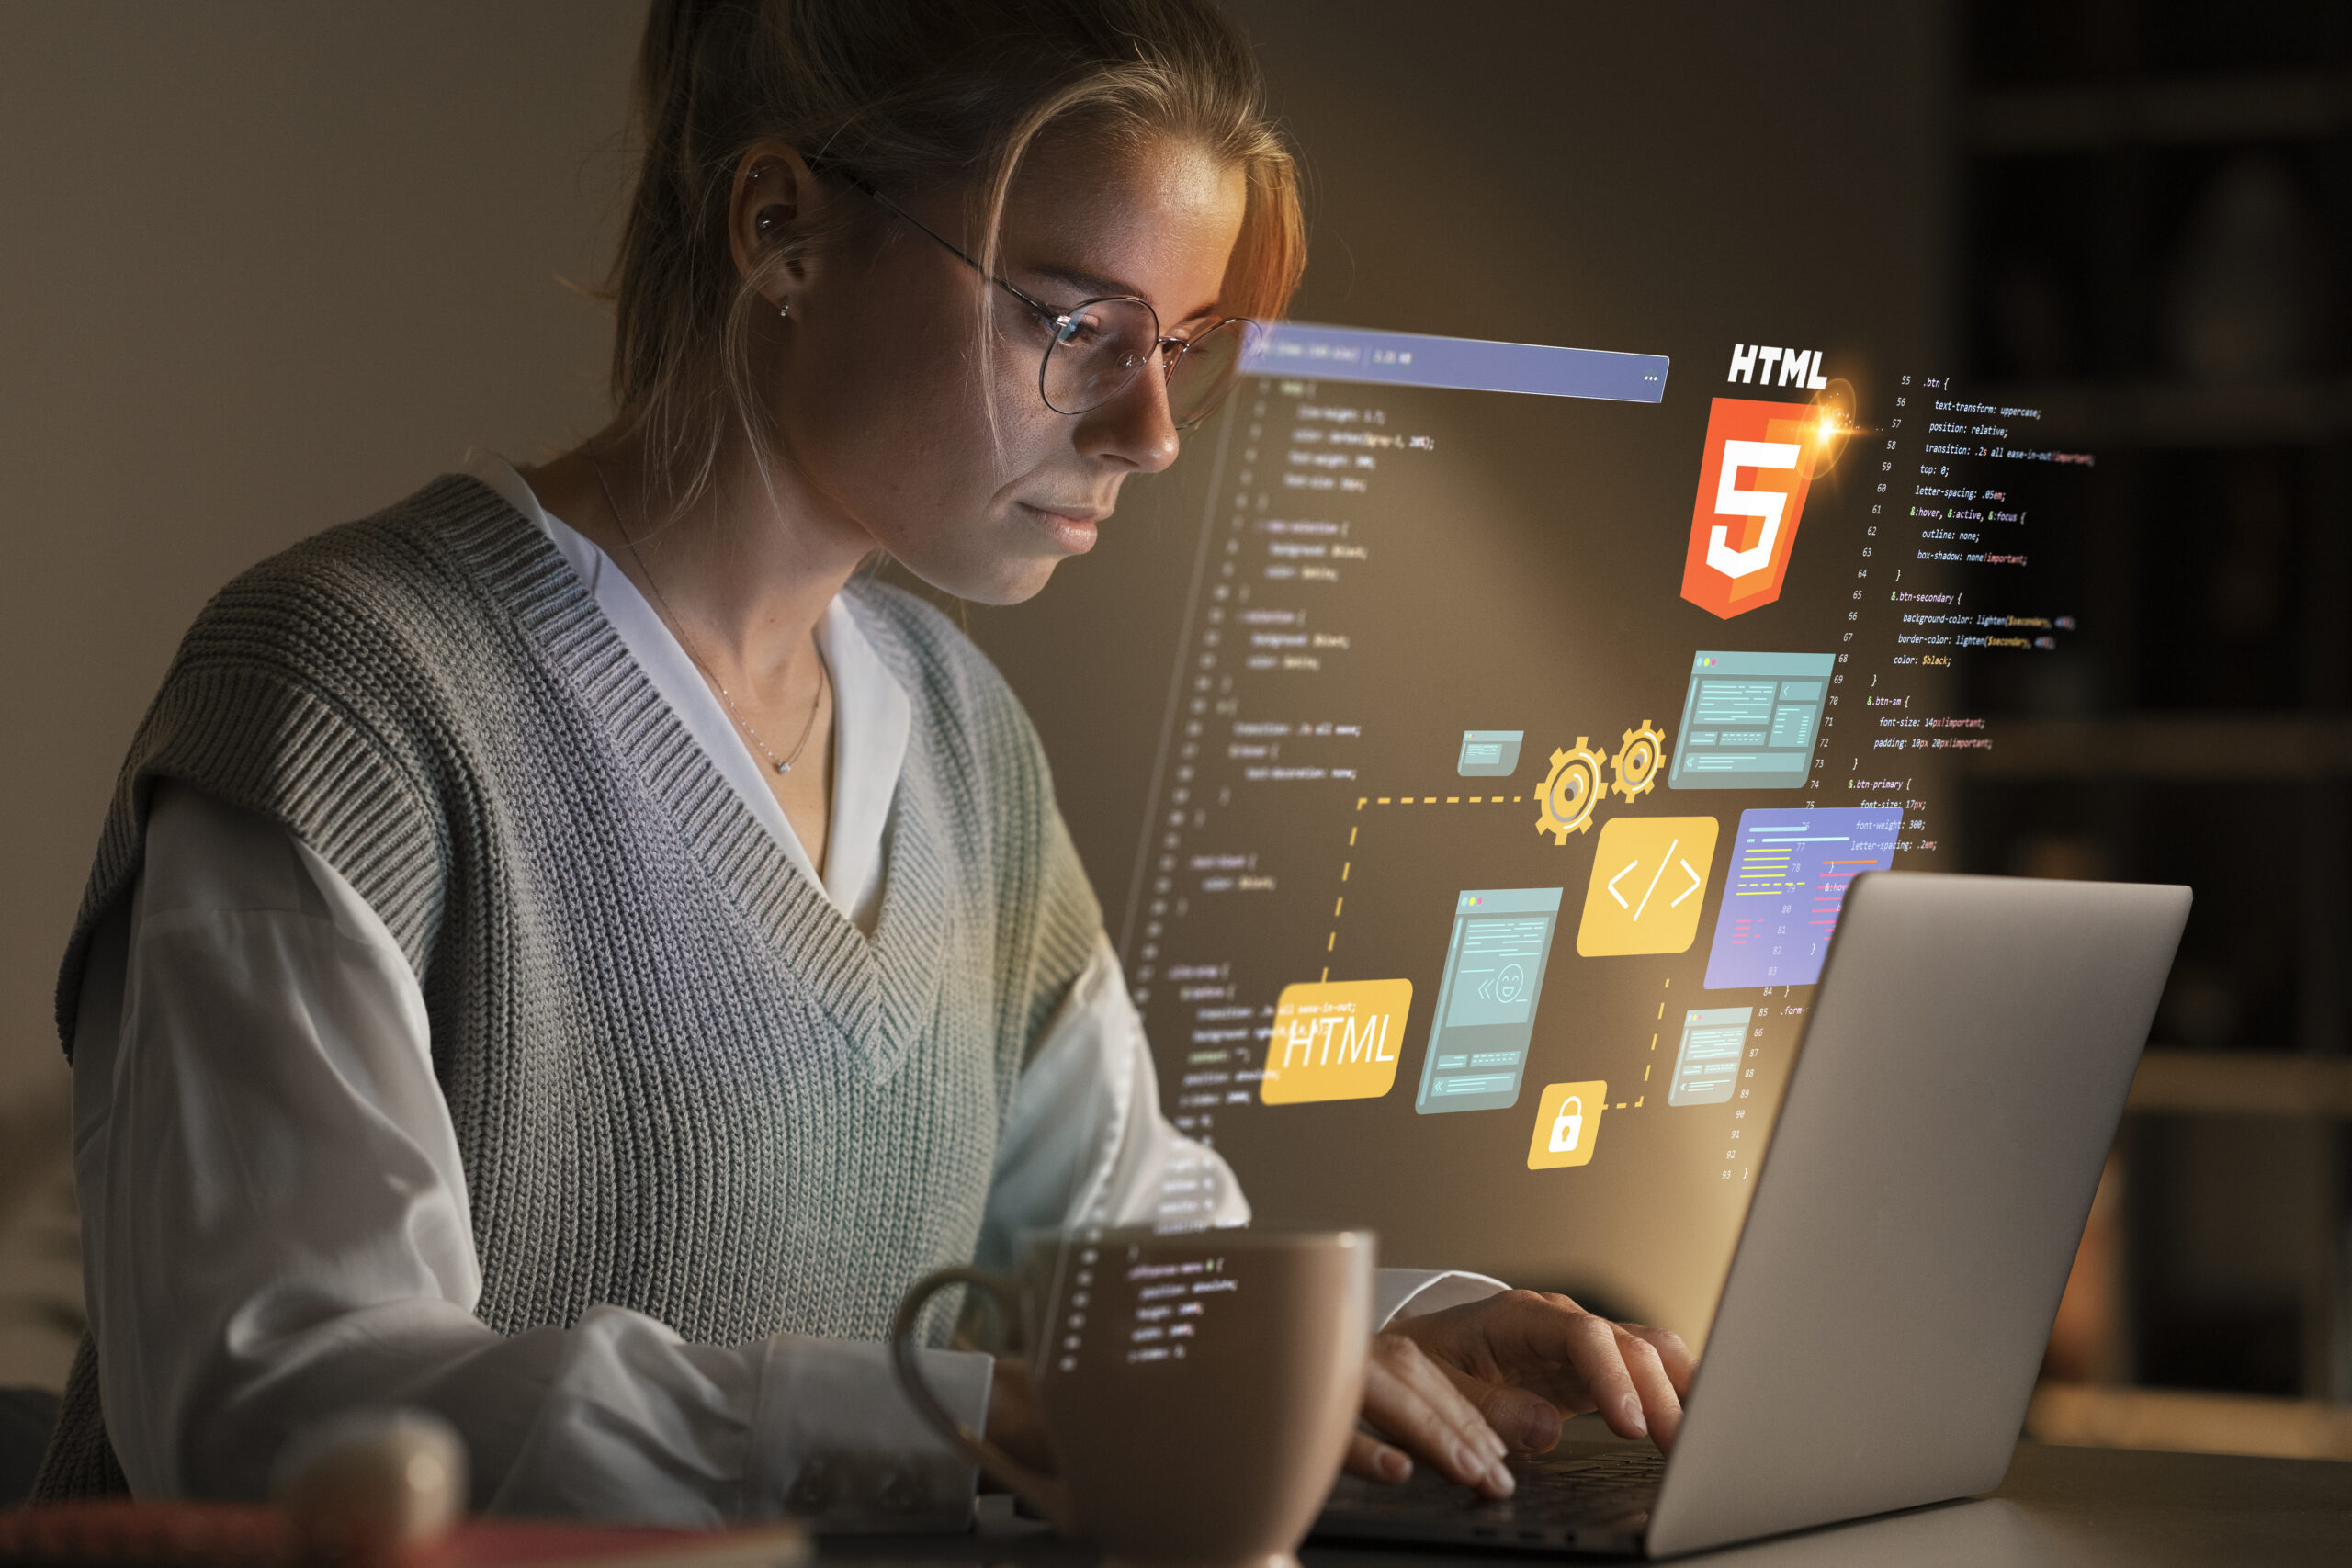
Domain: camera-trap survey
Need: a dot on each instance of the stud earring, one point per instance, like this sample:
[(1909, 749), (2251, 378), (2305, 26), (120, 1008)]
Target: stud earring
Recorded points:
[(785, 311)]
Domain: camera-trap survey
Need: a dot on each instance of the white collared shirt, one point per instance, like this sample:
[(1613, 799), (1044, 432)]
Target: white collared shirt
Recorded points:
[(245, 994)]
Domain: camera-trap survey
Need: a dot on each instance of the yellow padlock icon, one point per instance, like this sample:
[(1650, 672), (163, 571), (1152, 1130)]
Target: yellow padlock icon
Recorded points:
[(1568, 1126), (1567, 1123)]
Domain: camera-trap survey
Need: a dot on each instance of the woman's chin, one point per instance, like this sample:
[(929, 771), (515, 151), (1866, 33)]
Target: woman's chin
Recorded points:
[(1024, 583), (1006, 577)]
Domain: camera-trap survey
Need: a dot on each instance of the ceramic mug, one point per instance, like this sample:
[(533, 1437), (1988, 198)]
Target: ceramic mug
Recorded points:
[(1197, 1389)]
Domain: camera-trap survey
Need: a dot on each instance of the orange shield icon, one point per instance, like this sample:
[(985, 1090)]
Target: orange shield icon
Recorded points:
[(1751, 492)]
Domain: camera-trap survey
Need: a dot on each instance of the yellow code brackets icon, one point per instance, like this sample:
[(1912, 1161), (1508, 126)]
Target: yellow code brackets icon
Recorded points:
[(1649, 881), (1338, 1040)]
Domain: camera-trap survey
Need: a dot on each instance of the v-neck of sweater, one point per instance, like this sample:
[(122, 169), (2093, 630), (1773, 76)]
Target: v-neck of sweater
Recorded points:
[(880, 990), (871, 720)]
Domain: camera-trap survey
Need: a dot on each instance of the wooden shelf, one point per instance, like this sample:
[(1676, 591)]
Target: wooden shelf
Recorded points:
[(2092, 1415), (2190, 747), (2242, 1083), (2197, 111), (2184, 414)]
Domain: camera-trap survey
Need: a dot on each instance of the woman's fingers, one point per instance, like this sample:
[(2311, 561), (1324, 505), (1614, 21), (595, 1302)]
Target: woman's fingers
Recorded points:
[(1367, 1455), (1591, 1349), (1671, 1352), (1661, 1400), (1532, 1331), (1409, 1398), (1523, 1417), (1523, 1361)]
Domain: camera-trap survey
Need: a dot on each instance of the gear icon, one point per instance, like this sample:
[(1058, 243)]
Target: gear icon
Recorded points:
[(1570, 791), (1636, 763)]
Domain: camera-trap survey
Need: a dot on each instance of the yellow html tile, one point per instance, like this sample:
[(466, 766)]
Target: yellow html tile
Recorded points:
[(1336, 1040)]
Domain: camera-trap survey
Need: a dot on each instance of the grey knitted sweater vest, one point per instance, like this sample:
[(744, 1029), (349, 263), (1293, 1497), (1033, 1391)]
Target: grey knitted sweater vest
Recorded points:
[(682, 1081)]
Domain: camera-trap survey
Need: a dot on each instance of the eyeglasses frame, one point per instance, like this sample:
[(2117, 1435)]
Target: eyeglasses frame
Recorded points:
[(1169, 349)]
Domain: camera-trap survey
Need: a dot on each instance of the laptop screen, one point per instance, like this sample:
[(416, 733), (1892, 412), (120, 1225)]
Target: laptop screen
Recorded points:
[(1520, 717)]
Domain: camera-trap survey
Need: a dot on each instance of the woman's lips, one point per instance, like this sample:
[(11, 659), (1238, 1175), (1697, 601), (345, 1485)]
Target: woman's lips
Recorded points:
[(1073, 531)]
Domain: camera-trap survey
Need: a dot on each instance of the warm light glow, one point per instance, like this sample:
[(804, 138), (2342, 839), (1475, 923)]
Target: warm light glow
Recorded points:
[(1832, 423)]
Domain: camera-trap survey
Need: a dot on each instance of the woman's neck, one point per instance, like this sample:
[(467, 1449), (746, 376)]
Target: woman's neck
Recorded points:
[(743, 571)]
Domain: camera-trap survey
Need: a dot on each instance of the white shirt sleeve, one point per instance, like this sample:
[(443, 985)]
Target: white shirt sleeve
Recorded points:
[(277, 1227), (1086, 1144)]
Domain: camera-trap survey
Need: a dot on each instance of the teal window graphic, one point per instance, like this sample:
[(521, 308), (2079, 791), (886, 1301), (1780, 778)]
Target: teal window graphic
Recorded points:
[(1707, 1065), (1486, 1005), (1489, 753), (1749, 720)]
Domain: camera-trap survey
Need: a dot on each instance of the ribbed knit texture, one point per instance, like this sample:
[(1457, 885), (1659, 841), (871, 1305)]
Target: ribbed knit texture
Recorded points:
[(682, 1081)]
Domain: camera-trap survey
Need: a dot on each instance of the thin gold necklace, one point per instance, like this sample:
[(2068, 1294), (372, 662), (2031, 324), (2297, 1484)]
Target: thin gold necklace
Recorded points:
[(662, 602)]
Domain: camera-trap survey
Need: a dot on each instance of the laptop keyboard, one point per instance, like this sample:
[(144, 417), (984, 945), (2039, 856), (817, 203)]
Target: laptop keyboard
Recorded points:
[(1597, 1499), (1607, 1487)]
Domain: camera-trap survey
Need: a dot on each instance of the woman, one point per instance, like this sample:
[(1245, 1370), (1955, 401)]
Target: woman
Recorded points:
[(568, 951)]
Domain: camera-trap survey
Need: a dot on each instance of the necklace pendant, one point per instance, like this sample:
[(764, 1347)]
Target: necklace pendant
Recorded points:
[(783, 767)]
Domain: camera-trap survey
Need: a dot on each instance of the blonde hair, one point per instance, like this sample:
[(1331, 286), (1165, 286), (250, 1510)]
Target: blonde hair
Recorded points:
[(909, 95)]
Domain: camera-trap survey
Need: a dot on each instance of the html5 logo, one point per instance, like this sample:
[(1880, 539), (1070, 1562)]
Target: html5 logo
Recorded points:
[(1759, 459)]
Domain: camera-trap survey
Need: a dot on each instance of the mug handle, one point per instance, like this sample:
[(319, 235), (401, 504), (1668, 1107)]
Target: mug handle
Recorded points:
[(1043, 1492)]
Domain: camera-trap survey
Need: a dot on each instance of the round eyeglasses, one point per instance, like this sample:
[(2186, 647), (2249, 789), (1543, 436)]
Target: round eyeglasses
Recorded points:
[(1095, 349), (1098, 346)]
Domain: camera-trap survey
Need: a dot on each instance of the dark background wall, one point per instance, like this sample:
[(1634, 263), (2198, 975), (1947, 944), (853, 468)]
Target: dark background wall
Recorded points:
[(264, 267)]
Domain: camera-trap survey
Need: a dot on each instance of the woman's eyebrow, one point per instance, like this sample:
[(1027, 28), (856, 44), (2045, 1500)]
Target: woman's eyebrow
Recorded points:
[(1096, 285), (1085, 282)]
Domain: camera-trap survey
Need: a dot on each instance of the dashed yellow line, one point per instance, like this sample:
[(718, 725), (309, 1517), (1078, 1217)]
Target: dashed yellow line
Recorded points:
[(1331, 942)]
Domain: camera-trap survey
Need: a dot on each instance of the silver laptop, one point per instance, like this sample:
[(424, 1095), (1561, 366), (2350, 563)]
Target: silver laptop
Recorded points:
[(1958, 1081)]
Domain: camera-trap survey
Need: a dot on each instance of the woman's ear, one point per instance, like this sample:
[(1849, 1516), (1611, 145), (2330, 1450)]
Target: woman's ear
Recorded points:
[(770, 213)]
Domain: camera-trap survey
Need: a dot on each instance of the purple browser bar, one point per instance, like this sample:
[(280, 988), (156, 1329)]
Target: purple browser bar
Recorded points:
[(1413, 359)]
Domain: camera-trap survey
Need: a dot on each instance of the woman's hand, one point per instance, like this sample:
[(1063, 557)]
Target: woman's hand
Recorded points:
[(1466, 1387)]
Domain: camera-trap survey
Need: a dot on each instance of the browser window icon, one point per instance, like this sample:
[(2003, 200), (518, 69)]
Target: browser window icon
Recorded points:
[(1489, 753)]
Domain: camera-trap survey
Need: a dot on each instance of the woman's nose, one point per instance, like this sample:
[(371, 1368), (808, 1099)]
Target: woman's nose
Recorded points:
[(1133, 429)]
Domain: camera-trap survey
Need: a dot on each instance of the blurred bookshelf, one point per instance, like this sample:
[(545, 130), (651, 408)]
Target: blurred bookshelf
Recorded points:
[(2156, 110), (2156, 215), (2242, 1083)]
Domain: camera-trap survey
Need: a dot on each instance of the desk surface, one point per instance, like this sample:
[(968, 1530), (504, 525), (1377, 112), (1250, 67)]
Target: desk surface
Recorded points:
[(2058, 1506)]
